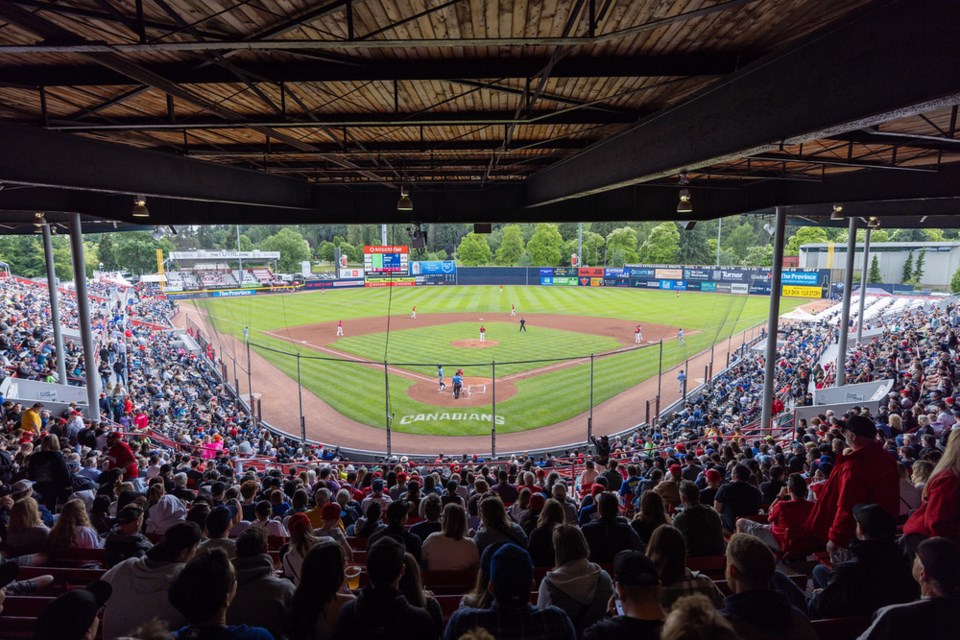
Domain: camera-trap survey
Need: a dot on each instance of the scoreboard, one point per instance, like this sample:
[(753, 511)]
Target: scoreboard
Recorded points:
[(385, 260)]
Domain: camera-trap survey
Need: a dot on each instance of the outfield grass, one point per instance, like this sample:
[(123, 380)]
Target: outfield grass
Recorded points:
[(358, 391)]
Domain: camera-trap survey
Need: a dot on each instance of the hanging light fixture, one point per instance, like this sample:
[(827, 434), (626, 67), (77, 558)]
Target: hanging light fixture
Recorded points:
[(684, 206), (140, 207), (405, 203), (873, 222), (837, 212), (38, 221)]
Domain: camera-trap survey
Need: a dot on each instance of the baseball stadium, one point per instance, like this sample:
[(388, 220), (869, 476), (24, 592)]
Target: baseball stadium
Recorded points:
[(479, 319)]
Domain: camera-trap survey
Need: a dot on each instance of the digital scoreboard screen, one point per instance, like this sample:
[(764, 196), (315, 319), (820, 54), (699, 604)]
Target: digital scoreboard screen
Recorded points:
[(389, 259)]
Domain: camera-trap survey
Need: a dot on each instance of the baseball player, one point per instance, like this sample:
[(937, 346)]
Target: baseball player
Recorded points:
[(442, 384), (413, 313), (680, 336), (638, 334), (501, 289), (339, 328), (483, 333), (523, 325), (513, 311), (681, 381)]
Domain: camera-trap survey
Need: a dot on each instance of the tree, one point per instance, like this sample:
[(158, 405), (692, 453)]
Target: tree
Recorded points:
[(740, 240), (759, 256), (918, 268), (622, 247), (292, 247), (474, 250), (593, 247), (246, 244), (544, 246), (874, 277), (955, 281), (662, 246), (907, 275), (511, 245), (325, 251), (804, 235), (694, 248), (105, 251)]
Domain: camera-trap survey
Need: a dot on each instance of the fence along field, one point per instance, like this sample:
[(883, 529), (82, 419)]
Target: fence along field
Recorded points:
[(542, 376)]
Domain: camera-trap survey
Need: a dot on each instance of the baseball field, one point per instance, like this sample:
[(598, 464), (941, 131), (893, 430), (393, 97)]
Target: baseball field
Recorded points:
[(539, 377)]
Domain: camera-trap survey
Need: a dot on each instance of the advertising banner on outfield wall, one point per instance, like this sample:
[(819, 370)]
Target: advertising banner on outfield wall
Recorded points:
[(565, 281), (565, 271), (234, 293), (793, 291), (390, 282), (426, 267), (753, 280), (590, 272)]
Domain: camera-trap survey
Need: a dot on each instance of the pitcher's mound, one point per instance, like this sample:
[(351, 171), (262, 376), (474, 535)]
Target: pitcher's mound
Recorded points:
[(474, 344), (476, 391)]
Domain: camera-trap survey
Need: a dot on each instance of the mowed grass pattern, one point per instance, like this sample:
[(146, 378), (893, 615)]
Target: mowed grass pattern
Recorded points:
[(357, 391), (431, 345)]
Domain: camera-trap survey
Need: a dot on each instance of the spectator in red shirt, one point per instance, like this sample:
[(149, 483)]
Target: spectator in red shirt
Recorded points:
[(120, 456), (788, 513), (939, 513), (864, 474)]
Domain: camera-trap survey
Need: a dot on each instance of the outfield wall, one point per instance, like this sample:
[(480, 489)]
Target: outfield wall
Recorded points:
[(797, 283)]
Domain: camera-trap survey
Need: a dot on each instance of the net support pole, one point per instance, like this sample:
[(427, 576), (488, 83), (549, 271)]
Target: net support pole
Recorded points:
[(845, 307), (493, 425), (386, 407), (660, 372), (303, 424), (773, 319), (54, 305), (246, 338), (590, 415), (83, 311), (863, 284)]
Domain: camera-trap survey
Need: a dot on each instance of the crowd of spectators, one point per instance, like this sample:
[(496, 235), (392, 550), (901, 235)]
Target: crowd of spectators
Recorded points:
[(595, 544)]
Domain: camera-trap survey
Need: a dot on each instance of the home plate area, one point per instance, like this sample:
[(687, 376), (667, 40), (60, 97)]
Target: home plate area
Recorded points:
[(476, 392)]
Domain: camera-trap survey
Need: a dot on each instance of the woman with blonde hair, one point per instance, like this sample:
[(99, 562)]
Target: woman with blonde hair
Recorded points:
[(449, 548), (939, 512), (26, 532), (695, 618), (73, 530)]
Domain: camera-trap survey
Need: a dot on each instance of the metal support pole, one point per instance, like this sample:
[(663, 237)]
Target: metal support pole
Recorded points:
[(579, 244), (246, 338), (493, 426), (239, 259), (236, 380), (660, 376), (863, 284), (845, 307), (303, 425), (83, 310), (686, 378), (773, 318), (386, 406), (647, 415), (719, 227), (657, 417), (590, 415), (54, 305)]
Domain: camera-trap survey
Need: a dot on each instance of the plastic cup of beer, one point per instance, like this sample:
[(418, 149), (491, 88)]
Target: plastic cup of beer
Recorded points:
[(353, 577)]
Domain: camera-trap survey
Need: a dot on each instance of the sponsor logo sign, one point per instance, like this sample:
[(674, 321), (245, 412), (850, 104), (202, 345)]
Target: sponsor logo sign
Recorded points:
[(641, 272), (546, 272), (433, 266), (565, 271), (386, 249), (708, 286), (739, 288), (235, 293), (616, 282), (808, 278), (616, 273), (565, 281), (390, 282), (696, 274), (794, 291), (458, 416), (546, 280), (668, 274), (590, 271)]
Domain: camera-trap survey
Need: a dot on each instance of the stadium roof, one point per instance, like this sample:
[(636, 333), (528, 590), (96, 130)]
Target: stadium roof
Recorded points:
[(303, 112)]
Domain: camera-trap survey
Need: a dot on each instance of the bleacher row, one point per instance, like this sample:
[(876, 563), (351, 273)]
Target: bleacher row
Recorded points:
[(76, 568)]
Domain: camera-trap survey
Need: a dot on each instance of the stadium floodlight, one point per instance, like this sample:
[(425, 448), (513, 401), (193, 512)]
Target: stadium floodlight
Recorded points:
[(769, 228), (405, 203), (157, 234), (140, 207), (685, 206), (837, 212)]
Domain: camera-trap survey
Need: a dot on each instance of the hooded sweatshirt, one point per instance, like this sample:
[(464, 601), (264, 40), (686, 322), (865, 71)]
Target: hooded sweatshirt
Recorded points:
[(139, 594), (166, 513), (761, 614), (262, 599), (581, 588)]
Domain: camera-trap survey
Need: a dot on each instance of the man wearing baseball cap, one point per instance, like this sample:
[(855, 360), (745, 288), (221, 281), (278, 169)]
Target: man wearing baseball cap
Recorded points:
[(73, 615), (863, 474), (638, 611), (512, 616), (936, 568)]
